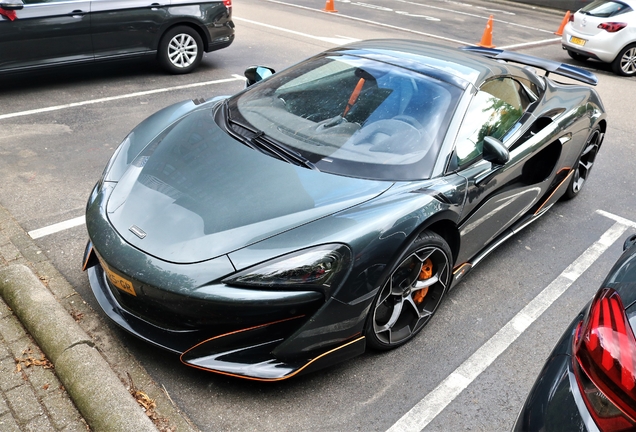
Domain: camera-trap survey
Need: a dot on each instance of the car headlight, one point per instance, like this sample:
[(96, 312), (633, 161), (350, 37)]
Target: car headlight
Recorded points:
[(322, 268)]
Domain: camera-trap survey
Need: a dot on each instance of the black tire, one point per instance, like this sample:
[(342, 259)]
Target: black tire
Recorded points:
[(410, 295), (584, 164), (625, 62), (577, 56), (180, 50)]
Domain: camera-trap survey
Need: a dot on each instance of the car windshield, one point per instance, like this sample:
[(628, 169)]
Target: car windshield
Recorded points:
[(605, 9), (353, 116)]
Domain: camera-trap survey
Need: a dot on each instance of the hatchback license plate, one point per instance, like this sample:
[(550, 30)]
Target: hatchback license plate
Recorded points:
[(577, 41)]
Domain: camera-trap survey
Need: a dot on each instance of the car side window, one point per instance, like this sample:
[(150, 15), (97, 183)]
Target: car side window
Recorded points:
[(494, 110)]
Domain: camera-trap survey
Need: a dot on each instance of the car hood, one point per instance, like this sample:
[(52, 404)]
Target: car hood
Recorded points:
[(195, 193)]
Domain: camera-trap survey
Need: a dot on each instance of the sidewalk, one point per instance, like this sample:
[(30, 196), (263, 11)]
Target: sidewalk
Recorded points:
[(60, 367), (33, 399)]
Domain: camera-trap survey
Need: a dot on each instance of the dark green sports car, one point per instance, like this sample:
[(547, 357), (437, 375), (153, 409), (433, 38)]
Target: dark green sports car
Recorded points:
[(331, 206)]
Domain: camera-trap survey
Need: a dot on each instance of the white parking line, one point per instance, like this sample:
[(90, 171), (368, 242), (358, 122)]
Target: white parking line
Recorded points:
[(341, 40), (52, 229), (475, 16), (375, 23), (124, 96), (617, 218), (425, 411)]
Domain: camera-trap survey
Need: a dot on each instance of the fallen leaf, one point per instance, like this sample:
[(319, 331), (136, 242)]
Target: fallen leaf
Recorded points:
[(28, 360)]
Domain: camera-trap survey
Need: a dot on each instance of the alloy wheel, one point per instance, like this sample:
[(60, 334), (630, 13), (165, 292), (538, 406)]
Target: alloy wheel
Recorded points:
[(586, 161), (411, 295), (182, 50), (628, 61)]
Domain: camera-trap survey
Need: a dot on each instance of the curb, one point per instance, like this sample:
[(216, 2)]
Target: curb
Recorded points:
[(16, 247), (96, 390)]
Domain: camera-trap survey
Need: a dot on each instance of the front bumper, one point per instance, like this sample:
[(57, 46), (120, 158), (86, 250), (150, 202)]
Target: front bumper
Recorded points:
[(262, 334), (242, 347)]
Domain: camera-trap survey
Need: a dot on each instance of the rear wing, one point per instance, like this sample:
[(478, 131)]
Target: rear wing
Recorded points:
[(562, 69)]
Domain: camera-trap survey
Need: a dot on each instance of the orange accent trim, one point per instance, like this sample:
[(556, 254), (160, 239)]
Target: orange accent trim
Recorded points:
[(563, 169), (554, 191), (457, 269), (268, 379), (88, 257), (354, 96), (240, 331)]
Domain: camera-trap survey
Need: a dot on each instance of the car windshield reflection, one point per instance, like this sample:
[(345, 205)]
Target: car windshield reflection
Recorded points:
[(353, 116)]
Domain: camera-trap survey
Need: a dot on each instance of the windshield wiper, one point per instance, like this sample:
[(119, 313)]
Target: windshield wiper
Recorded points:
[(282, 152), (261, 141)]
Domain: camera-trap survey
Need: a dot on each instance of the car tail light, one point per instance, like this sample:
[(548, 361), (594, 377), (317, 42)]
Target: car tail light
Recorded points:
[(571, 19), (227, 3), (605, 363), (612, 27)]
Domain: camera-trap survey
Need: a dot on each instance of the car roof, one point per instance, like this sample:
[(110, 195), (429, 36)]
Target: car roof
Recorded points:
[(630, 3), (451, 65)]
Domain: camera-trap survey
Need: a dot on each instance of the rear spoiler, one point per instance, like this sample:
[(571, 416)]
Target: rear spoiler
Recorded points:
[(562, 69)]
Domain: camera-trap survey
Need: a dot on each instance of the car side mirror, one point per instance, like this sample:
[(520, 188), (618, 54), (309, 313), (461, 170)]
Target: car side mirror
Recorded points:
[(11, 5), (255, 74), (495, 151)]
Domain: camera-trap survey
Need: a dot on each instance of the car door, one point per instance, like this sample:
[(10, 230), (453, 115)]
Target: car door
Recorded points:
[(126, 27), (497, 195), (46, 32)]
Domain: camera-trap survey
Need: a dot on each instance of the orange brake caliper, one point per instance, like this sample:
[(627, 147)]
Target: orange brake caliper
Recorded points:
[(425, 273)]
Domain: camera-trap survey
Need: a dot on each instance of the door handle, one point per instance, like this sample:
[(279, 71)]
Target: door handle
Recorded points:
[(155, 6), (77, 13)]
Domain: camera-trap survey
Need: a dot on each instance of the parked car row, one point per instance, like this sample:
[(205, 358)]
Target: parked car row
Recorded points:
[(40, 33)]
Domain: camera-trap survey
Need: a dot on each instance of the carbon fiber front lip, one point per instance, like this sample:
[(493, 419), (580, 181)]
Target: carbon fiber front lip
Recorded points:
[(228, 354)]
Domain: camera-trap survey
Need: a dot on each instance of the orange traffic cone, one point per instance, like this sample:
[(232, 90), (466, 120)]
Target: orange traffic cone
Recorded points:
[(329, 7), (566, 18), (486, 39)]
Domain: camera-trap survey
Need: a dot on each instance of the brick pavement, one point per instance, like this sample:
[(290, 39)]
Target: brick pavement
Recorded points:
[(32, 397)]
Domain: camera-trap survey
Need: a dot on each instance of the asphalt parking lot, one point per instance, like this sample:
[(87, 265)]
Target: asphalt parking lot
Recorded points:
[(473, 365)]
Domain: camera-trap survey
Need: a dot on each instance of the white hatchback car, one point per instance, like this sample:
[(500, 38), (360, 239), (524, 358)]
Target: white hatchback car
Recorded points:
[(604, 30)]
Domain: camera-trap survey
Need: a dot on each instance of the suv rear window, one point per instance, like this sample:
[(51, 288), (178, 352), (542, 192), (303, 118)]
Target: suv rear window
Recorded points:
[(605, 9)]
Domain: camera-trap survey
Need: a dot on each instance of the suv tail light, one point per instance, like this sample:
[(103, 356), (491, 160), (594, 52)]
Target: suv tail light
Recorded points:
[(612, 27), (227, 3), (605, 363)]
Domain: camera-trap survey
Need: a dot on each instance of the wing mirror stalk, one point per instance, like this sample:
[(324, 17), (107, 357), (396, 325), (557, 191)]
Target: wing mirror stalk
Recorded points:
[(255, 74)]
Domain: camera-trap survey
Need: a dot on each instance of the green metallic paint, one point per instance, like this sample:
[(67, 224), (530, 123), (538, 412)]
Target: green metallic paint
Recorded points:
[(378, 221)]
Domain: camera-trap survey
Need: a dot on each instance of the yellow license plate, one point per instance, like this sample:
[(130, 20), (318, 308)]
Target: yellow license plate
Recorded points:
[(577, 41), (120, 282)]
